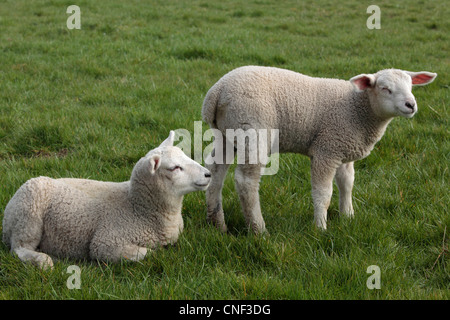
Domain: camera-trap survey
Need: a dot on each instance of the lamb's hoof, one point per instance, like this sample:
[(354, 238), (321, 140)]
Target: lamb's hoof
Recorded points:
[(349, 214), (262, 233), (44, 262), (320, 225), (259, 228), (218, 224), (221, 226), (139, 254)]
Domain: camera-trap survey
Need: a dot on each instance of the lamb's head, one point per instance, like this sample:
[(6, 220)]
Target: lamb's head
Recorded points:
[(390, 90), (170, 170)]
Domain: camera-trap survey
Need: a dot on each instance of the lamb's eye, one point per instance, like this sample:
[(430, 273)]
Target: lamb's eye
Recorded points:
[(175, 168), (386, 90)]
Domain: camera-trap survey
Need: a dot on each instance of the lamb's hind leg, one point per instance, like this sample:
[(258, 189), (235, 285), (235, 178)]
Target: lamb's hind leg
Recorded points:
[(214, 192), (247, 177), (23, 225), (24, 241), (39, 259)]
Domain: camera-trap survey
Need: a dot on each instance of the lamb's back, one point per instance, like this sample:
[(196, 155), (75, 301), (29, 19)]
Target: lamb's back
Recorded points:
[(76, 208), (273, 98)]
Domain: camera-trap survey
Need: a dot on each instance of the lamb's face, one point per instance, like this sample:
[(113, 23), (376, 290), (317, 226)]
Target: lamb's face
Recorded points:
[(180, 173), (170, 170), (390, 90)]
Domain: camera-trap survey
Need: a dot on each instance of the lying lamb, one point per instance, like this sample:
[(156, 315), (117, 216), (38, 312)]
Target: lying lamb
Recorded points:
[(77, 218), (334, 122)]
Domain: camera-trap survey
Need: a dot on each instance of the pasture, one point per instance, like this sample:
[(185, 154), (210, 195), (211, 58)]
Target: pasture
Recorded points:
[(89, 103)]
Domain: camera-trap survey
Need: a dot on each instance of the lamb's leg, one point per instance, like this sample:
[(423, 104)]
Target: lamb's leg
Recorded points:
[(322, 174), (39, 259), (345, 175), (133, 252), (214, 194), (247, 177), (23, 224), (25, 240), (113, 252)]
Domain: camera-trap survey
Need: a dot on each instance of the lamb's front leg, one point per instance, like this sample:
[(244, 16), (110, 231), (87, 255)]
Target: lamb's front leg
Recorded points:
[(345, 176), (133, 252), (322, 174), (105, 250)]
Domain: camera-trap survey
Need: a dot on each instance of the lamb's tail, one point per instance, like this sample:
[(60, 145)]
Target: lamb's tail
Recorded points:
[(210, 104)]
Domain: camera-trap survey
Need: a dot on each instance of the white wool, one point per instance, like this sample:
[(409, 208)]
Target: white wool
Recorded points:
[(82, 219), (334, 122)]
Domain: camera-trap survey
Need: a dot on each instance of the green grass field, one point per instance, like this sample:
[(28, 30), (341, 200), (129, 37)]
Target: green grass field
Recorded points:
[(89, 103)]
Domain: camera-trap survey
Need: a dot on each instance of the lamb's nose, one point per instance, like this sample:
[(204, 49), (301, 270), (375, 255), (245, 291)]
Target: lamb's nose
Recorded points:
[(208, 175), (410, 104)]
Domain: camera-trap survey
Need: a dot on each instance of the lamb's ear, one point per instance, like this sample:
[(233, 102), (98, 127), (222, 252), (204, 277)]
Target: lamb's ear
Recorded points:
[(169, 141), (154, 163), (363, 81), (421, 78)]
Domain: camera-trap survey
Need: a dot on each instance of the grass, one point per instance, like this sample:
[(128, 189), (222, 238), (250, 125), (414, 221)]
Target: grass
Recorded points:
[(89, 103)]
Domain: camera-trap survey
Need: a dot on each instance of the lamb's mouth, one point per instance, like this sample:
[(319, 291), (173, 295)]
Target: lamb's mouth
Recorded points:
[(201, 185), (408, 111)]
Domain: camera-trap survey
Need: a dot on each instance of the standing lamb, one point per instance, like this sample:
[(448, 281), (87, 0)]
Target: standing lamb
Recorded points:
[(78, 218), (334, 122)]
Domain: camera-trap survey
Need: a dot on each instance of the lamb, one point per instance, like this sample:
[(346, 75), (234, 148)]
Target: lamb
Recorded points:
[(108, 221), (333, 122)]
